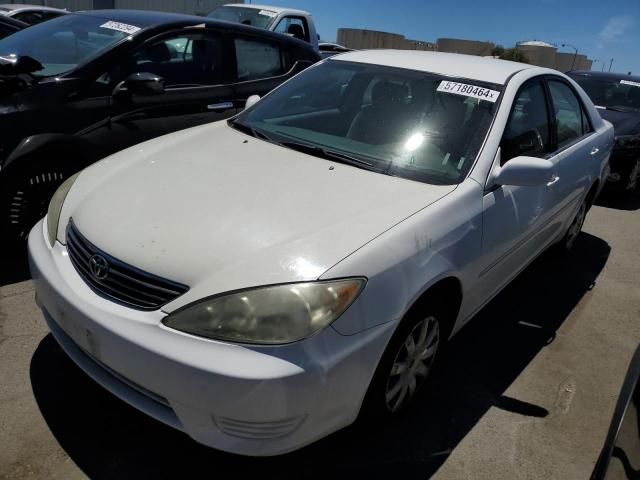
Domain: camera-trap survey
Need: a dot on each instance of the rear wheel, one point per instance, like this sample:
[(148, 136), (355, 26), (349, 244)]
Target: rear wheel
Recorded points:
[(634, 177), (25, 197)]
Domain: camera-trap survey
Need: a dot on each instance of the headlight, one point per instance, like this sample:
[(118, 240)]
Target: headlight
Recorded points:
[(268, 315), (628, 142), (55, 207)]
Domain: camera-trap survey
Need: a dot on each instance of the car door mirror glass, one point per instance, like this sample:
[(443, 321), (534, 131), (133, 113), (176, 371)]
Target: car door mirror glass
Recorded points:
[(524, 172), (251, 101), (142, 83)]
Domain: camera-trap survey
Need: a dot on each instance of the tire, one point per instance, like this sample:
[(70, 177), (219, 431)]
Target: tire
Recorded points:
[(634, 178), (407, 363), (25, 197), (568, 241)]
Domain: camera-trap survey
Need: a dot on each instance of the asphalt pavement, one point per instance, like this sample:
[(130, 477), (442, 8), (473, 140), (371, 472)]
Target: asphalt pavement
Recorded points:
[(525, 391)]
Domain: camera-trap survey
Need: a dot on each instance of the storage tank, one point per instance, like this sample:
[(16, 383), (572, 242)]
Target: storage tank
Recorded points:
[(362, 39), (539, 53), (469, 47)]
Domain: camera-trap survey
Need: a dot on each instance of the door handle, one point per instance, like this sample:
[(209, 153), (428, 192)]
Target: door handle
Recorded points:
[(220, 106), (553, 180), (594, 150)]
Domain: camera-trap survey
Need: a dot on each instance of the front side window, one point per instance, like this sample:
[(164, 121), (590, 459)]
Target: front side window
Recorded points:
[(527, 130), (568, 113), (388, 120), (183, 59), (63, 43), (257, 59), (293, 26)]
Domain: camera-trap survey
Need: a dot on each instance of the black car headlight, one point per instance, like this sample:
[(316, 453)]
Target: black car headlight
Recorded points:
[(268, 315)]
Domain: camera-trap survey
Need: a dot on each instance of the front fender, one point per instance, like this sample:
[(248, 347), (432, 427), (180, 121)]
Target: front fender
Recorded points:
[(53, 147)]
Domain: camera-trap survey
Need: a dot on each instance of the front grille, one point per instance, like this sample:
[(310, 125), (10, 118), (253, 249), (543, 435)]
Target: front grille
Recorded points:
[(122, 283)]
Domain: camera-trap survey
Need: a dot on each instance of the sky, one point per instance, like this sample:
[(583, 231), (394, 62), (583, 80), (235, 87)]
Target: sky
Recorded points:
[(601, 29)]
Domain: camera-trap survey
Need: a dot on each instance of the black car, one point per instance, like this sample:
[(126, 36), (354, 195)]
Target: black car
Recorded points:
[(10, 25), (617, 96), (79, 87)]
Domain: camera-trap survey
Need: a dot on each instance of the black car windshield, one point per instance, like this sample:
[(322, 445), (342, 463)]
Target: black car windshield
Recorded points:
[(63, 43), (405, 123), (615, 93), (246, 15)]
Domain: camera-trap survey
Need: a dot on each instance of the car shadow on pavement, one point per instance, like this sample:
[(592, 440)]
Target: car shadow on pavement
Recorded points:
[(14, 266), (619, 200), (107, 438)]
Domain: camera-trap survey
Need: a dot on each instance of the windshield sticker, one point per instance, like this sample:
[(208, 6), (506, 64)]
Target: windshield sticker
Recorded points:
[(466, 90), (629, 82), (121, 27), (267, 13)]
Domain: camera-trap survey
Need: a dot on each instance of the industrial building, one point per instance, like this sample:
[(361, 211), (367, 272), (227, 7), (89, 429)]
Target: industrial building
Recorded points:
[(539, 53), (197, 7)]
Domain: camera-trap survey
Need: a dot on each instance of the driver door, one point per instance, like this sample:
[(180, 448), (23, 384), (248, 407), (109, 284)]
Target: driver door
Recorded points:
[(515, 218)]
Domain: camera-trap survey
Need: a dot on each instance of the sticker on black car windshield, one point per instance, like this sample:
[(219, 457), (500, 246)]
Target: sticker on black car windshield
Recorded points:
[(629, 82), (120, 27), (467, 90)]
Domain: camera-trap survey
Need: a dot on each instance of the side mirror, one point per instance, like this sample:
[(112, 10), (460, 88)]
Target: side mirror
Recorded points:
[(524, 172), (142, 83), (251, 101)]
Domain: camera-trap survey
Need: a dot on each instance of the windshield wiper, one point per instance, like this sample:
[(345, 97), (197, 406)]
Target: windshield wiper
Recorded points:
[(327, 154), (254, 132)]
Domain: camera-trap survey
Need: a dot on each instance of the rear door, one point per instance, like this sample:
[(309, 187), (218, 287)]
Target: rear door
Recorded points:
[(574, 145), (262, 64)]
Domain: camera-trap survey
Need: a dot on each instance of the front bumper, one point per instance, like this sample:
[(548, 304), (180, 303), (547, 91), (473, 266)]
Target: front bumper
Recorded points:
[(249, 400)]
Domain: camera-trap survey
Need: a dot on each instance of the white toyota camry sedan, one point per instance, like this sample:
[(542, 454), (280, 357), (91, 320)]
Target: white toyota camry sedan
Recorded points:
[(259, 283)]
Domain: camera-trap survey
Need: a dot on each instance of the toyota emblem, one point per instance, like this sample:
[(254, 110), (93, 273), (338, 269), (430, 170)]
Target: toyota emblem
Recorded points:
[(99, 267)]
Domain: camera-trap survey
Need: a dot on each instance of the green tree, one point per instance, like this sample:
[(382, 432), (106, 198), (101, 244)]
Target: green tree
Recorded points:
[(497, 51), (514, 55)]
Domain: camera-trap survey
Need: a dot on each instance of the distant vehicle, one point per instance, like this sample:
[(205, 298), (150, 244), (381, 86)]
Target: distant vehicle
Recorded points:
[(9, 25), (30, 14), (330, 49), (258, 283), (617, 96), (139, 75), (289, 21)]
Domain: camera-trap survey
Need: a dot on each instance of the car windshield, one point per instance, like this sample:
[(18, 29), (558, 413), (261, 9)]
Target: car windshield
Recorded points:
[(616, 94), (246, 15), (395, 121), (63, 43)]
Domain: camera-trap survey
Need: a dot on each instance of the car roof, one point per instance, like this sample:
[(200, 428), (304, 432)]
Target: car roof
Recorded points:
[(485, 69), (273, 8), (148, 19), (605, 75), (12, 7)]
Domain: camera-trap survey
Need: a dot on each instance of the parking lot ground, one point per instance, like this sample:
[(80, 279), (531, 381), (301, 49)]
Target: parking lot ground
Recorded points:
[(526, 390)]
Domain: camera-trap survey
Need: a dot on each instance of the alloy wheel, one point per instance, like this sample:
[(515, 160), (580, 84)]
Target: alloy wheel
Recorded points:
[(576, 226), (412, 363)]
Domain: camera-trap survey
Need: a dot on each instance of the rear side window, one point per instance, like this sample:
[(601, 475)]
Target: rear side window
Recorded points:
[(569, 115), (257, 59), (527, 131)]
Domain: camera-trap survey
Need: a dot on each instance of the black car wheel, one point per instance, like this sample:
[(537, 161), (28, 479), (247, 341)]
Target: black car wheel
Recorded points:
[(634, 176), (25, 198)]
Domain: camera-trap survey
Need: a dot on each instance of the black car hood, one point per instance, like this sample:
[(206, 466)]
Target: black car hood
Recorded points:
[(624, 123)]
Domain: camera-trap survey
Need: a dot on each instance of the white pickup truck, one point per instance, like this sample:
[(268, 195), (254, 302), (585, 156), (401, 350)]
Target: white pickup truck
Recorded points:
[(296, 23)]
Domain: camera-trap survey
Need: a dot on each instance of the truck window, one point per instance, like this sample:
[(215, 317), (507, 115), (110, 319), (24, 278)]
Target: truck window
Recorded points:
[(295, 27)]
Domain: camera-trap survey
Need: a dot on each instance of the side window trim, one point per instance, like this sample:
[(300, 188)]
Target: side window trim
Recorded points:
[(550, 108)]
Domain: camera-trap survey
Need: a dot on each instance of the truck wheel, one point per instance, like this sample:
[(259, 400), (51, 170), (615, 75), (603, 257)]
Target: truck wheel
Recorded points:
[(25, 197)]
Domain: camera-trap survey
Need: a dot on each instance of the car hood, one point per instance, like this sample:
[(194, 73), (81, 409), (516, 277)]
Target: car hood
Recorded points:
[(624, 123), (218, 210)]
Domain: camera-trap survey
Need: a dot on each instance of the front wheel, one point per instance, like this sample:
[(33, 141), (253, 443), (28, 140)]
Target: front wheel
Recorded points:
[(25, 198), (405, 366)]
